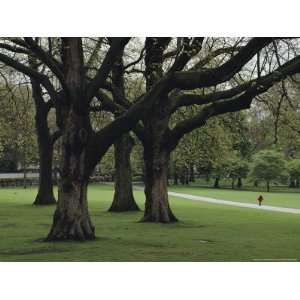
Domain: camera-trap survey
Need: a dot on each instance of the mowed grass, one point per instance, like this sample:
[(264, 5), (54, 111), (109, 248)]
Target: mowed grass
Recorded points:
[(280, 196), (206, 232)]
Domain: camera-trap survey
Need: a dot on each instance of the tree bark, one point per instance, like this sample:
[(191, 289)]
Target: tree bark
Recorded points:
[(71, 219), (123, 197), (45, 195), (156, 159), (157, 208)]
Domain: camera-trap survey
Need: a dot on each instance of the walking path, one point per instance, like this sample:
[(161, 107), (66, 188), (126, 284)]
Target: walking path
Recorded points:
[(234, 203)]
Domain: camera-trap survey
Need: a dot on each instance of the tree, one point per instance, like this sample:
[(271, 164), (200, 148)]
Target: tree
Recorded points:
[(293, 167), (123, 199), (45, 138), (123, 196), (209, 148), (269, 166), (158, 138), (238, 169)]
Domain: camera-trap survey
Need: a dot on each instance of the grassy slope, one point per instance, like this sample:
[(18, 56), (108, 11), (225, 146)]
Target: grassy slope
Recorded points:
[(233, 234)]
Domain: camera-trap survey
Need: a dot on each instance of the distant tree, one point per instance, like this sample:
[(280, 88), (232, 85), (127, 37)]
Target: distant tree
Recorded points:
[(220, 170), (17, 135), (294, 172), (238, 169), (269, 166)]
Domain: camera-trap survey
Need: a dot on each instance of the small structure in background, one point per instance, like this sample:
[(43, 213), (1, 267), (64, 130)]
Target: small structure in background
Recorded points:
[(260, 200)]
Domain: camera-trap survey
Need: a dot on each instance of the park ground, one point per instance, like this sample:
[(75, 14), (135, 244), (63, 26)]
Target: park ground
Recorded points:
[(206, 232)]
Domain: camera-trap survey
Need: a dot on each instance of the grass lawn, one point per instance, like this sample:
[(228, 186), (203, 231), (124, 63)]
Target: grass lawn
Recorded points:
[(207, 232), (280, 196)]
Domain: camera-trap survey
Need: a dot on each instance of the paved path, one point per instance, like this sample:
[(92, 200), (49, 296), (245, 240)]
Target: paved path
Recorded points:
[(234, 203)]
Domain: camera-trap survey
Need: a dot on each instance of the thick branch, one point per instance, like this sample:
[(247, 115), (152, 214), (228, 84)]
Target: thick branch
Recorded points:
[(14, 49), (186, 99), (188, 51), (30, 73), (200, 119), (55, 136), (199, 79), (104, 138), (107, 104)]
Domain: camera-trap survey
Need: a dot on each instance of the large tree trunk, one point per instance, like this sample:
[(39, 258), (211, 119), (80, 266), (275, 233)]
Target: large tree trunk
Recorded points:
[(157, 208), (123, 197), (45, 193), (71, 220), (156, 155)]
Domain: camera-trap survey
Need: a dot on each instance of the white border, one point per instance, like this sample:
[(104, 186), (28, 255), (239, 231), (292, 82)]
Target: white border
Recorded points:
[(149, 281), (155, 17)]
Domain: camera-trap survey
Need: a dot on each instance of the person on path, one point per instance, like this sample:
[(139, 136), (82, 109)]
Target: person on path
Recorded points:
[(260, 200)]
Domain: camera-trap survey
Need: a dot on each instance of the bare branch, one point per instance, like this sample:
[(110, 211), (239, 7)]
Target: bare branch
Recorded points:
[(117, 46), (46, 58)]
